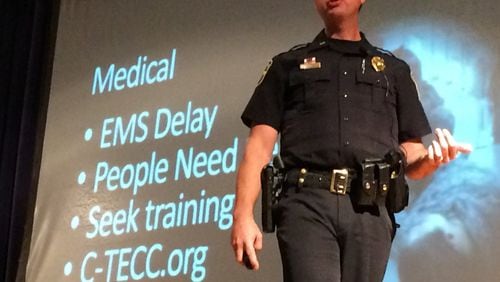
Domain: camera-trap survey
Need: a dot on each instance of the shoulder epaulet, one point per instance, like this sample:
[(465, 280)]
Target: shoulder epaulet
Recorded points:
[(294, 48), (387, 52), (297, 47)]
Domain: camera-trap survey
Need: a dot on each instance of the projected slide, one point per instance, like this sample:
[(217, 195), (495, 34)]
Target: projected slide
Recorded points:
[(122, 216), (143, 137), (140, 151)]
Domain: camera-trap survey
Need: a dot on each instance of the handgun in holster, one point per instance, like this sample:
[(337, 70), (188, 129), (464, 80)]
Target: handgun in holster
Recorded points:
[(271, 178)]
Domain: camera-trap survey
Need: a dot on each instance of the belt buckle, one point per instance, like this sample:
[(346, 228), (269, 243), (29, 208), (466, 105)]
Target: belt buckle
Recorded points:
[(339, 182)]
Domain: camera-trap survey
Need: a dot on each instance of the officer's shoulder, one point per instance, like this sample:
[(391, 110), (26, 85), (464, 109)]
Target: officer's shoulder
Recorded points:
[(299, 47), (390, 57), (293, 52)]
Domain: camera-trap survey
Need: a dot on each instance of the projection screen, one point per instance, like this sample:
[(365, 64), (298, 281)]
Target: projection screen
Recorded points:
[(143, 136)]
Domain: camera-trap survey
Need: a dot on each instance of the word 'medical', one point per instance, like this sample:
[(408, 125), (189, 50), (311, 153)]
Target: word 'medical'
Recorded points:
[(143, 72)]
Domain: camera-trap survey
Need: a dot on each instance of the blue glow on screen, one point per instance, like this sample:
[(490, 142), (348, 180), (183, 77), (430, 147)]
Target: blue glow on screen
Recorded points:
[(453, 76)]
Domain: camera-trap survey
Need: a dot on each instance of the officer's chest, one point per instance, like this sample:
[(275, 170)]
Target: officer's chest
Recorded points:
[(333, 81)]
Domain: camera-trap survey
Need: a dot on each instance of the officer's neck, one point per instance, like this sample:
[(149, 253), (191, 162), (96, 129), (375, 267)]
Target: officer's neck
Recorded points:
[(347, 29)]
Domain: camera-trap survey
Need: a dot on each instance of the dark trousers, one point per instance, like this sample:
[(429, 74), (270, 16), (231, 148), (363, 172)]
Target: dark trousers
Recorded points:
[(323, 237)]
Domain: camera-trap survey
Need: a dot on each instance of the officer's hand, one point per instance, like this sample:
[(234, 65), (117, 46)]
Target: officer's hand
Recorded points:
[(246, 237), (444, 148)]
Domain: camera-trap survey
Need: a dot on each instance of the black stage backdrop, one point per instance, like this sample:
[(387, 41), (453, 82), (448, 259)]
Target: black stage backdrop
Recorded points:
[(120, 135), (26, 42)]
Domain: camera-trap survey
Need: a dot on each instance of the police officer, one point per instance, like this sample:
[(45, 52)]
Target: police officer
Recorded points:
[(335, 102)]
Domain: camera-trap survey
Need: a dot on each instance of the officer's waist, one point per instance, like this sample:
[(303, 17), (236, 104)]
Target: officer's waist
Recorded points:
[(336, 180)]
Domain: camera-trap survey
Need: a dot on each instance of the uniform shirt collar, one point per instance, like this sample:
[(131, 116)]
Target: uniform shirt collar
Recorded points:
[(361, 47)]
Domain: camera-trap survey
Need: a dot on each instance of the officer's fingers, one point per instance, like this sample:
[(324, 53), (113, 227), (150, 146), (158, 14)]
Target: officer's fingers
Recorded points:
[(252, 256), (430, 153), (438, 156), (443, 142), (464, 148), (258, 242), (238, 251), (452, 144), (234, 239), (449, 138)]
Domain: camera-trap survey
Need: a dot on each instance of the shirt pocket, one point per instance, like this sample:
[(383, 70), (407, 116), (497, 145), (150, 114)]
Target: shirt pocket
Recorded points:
[(376, 91), (313, 86)]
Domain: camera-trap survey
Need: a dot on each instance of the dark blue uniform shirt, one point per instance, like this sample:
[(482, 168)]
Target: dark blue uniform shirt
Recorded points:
[(337, 109)]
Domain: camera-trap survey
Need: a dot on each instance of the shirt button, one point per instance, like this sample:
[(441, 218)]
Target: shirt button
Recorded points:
[(346, 95), (346, 118), (346, 143), (345, 73)]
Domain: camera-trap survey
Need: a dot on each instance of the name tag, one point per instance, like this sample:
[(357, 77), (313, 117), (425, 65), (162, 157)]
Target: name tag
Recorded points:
[(310, 63)]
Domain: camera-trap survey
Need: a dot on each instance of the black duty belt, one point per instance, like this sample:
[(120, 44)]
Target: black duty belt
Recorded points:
[(337, 181)]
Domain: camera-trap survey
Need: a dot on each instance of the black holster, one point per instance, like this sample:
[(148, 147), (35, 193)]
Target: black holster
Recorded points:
[(398, 195), (271, 178)]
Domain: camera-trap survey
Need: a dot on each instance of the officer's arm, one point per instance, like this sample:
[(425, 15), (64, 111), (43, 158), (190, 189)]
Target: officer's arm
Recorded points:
[(421, 161), (246, 235)]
